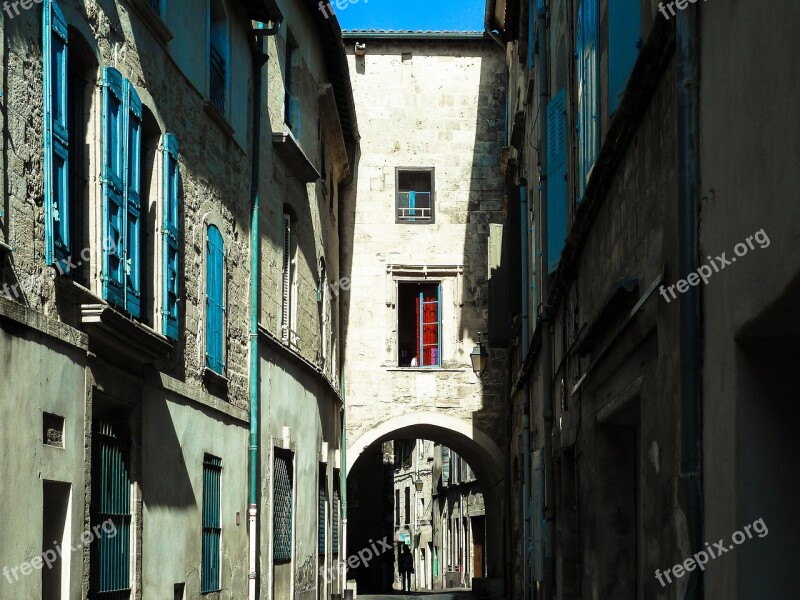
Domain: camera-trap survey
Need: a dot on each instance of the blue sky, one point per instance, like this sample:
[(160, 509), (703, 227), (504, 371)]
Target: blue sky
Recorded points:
[(462, 15)]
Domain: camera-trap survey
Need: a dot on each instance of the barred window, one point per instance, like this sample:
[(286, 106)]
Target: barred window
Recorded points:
[(283, 482)]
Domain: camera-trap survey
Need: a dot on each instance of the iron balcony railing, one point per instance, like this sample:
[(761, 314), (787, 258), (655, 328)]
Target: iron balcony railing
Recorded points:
[(414, 206), (217, 68)]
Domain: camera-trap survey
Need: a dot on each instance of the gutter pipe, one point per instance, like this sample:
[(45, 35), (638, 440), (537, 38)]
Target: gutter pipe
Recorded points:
[(691, 409), (259, 60)]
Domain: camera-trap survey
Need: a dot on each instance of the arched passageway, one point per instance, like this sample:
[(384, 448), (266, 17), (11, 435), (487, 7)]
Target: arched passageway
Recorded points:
[(370, 480)]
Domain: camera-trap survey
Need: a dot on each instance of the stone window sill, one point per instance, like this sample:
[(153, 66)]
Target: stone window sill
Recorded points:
[(211, 377), (218, 118), (153, 21)]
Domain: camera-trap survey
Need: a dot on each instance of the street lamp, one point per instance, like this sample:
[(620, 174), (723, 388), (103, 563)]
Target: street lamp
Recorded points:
[(419, 484), (479, 357)]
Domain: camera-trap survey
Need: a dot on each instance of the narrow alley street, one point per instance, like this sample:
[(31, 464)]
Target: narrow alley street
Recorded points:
[(305, 300)]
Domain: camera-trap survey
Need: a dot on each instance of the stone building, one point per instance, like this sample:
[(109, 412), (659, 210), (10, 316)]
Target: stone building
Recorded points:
[(309, 149), (420, 220), (412, 508), (131, 162), (648, 413), (458, 521)]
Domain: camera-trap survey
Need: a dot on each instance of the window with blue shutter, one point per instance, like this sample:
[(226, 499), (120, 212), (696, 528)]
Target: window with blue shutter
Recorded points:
[(122, 204), (215, 306), (588, 95), (56, 137), (531, 36), (556, 178), (113, 188), (212, 525), (133, 202), (171, 232), (624, 41)]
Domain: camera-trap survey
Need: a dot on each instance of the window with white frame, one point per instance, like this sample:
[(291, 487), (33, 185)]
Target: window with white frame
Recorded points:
[(418, 324)]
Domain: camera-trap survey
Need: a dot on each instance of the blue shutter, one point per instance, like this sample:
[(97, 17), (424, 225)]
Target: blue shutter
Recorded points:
[(171, 282), (531, 36), (624, 40), (556, 178), (56, 138), (214, 299), (113, 189), (133, 203), (212, 525), (588, 96), (322, 512)]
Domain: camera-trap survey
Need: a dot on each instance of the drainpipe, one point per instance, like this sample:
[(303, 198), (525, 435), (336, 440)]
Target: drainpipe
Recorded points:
[(547, 349), (259, 60), (526, 396), (343, 485), (691, 409)]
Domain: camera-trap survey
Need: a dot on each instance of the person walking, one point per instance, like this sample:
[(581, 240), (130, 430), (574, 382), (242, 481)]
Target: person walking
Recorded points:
[(405, 564)]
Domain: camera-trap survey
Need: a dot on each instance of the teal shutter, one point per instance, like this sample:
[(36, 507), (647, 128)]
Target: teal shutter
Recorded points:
[(56, 138), (624, 40), (171, 234), (556, 178), (113, 189), (110, 550), (322, 513), (133, 202), (588, 96), (215, 307), (531, 36), (212, 525)]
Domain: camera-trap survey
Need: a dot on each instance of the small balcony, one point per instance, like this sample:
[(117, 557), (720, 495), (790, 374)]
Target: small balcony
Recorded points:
[(414, 207)]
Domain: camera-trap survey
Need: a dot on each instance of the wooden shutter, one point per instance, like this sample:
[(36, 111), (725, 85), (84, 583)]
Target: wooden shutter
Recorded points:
[(287, 276), (215, 308), (171, 233), (113, 189), (538, 522), (624, 40), (132, 149), (56, 137), (212, 525), (556, 178)]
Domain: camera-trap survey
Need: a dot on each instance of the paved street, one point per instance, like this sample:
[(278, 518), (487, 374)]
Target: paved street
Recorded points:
[(444, 595)]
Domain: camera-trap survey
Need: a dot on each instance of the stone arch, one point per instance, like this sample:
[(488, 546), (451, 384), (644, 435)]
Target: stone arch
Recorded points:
[(481, 452)]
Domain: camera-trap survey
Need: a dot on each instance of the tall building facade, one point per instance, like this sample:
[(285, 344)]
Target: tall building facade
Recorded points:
[(423, 225), (140, 137), (647, 421)]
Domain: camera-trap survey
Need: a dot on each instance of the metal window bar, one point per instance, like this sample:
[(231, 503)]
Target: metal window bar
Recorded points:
[(110, 550), (156, 6), (218, 77), (414, 206), (282, 509), (212, 526)]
